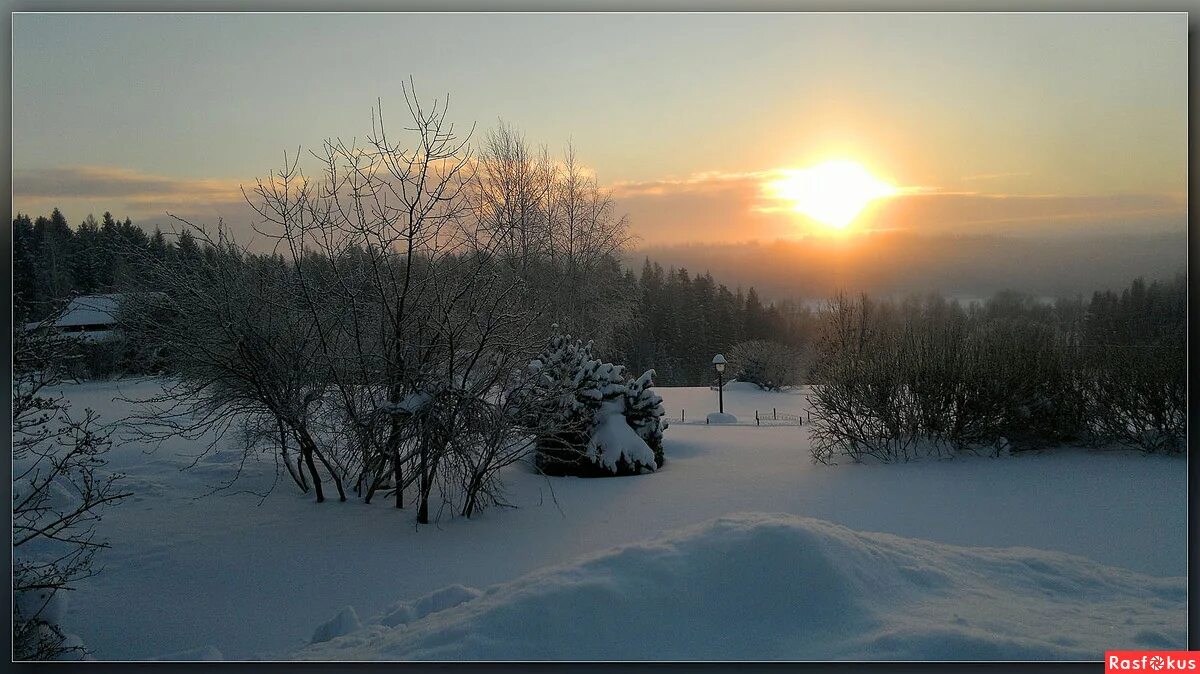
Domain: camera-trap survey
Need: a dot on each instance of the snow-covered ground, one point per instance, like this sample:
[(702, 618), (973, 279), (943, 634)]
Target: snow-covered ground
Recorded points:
[(783, 587), (196, 576)]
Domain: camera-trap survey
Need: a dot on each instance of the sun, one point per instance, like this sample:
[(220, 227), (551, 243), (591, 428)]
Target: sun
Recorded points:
[(832, 192)]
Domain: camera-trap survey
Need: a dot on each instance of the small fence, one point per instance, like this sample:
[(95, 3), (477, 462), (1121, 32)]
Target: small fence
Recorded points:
[(771, 417)]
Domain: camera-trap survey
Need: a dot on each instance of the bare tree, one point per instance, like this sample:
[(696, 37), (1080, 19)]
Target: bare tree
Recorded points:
[(560, 229), (243, 353), (417, 296), (858, 405), (59, 491)]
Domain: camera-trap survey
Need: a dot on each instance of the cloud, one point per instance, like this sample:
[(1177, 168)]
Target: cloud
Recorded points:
[(112, 182), (707, 181), (143, 197), (715, 206), (969, 212), (707, 207), (994, 176)]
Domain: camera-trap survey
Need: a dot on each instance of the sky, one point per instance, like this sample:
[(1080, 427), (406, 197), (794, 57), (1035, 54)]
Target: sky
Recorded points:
[(1010, 124)]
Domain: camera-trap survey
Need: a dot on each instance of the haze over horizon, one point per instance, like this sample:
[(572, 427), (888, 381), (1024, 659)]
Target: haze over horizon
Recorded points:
[(1015, 127)]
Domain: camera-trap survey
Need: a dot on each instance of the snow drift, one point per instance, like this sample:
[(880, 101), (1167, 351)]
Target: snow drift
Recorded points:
[(757, 586)]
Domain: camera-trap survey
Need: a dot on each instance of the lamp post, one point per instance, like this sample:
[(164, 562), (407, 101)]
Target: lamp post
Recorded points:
[(718, 362)]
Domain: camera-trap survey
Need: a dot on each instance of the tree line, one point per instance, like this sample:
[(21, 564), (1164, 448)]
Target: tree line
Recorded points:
[(667, 319), (683, 320), (930, 377), (53, 262)]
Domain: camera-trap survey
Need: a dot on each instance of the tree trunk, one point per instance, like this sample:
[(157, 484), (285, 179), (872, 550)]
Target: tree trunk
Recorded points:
[(393, 446), (429, 464), (378, 470), (398, 474), (337, 480), (366, 465), (307, 448), (472, 495), (423, 488), (295, 470)]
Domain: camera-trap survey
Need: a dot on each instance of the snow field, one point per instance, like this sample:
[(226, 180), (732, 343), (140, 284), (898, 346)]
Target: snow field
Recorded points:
[(236, 575)]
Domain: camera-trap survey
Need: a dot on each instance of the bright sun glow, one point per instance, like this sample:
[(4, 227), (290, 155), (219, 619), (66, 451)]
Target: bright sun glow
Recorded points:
[(832, 192)]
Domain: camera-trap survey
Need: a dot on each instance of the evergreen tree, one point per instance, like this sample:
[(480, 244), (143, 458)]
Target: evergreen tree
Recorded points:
[(188, 250), (25, 288), (158, 245), (591, 412), (54, 255), (91, 265), (756, 320), (644, 411)]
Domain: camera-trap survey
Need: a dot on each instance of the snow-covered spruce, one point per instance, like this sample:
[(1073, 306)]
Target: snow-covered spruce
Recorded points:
[(595, 421), (644, 411)]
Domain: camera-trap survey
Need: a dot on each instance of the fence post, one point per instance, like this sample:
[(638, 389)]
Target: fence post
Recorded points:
[(774, 414), (756, 422), (682, 415)]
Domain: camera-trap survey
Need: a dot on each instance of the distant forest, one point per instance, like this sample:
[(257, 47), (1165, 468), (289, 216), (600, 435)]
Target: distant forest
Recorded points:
[(896, 376), (676, 320), (895, 263)]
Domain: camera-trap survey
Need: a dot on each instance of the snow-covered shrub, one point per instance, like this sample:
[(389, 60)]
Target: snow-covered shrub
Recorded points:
[(558, 419), (644, 411), (593, 420)]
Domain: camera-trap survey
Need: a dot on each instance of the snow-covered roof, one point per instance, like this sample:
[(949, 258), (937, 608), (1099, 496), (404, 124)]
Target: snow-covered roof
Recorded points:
[(90, 310)]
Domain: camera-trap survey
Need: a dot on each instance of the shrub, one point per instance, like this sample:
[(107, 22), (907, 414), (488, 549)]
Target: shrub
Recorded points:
[(594, 421), (930, 379), (769, 365), (1135, 353)]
